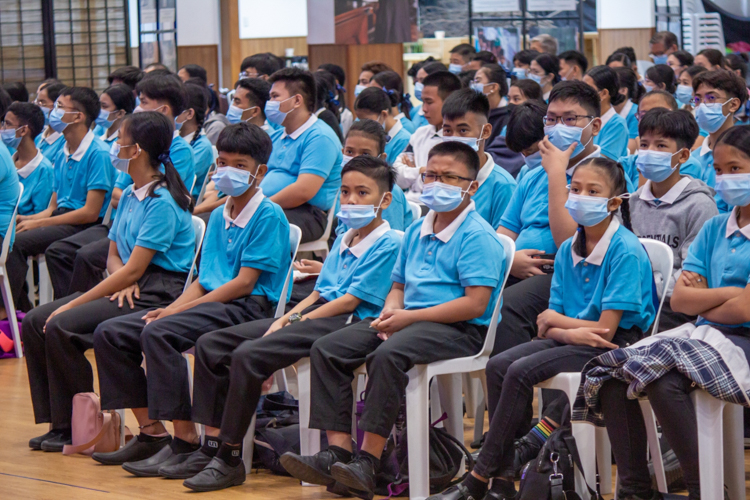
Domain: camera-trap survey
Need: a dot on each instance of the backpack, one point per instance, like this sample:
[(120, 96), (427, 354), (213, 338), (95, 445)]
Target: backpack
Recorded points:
[(94, 430)]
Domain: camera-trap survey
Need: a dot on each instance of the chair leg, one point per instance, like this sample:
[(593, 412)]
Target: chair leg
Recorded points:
[(449, 387), (469, 399), (585, 436), (604, 460), (417, 424), (481, 406), (30, 280), (654, 446), (10, 309), (46, 295), (436, 410), (247, 446), (309, 438), (122, 427), (734, 453), (708, 412)]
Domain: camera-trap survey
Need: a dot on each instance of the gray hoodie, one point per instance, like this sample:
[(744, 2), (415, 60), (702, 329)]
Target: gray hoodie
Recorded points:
[(675, 220)]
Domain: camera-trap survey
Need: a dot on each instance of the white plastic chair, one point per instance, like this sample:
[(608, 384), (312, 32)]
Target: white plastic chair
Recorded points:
[(206, 180), (416, 210), (589, 437), (199, 227), (321, 245), (10, 308)]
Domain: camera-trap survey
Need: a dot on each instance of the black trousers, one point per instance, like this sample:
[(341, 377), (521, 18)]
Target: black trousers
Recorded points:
[(335, 357), (669, 319), (121, 343), (77, 263), (55, 359), (310, 219)]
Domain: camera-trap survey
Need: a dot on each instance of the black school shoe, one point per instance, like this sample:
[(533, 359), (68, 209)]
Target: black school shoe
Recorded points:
[(217, 476), (138, 448), (525, 449), (455, 492), (359, 474), (57, 442), (36, 443), (315, 469), (192, 465)]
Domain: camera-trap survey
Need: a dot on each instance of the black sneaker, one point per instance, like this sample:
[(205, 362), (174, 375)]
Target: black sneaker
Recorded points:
[(315, 469), (359, 474), (526, 449)]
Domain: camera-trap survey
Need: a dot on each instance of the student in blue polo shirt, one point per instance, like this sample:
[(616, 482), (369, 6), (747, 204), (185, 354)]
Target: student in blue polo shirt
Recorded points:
[(714, 286), (190, 130), (591, 309), (117, 102), (249, 103), (613, 136), (50, 142), (374, 105), (354, 282), (390, 82), (152, 245), (304, 171), (629, 107), (23, 122), (426, 68), (466, 120), (82, 186), (9, 188), (446, 283), (244, 263)]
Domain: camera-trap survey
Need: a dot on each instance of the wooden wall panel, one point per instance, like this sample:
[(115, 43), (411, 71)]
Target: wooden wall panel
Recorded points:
[(203, 55), (611, 40)]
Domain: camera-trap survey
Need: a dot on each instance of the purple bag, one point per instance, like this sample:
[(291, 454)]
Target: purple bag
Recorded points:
[(7, 349), (358, 414)]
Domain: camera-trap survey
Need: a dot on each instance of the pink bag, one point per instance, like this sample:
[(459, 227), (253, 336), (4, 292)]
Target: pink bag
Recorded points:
[(7, 347), (94, 430)]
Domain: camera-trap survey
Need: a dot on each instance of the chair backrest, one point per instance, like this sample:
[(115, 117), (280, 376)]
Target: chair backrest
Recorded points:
[(199, 227), (192, 185), (509, 246), (662, 262), (329, 223), (416, 210), (206, 180), (215, 152), (107, 215), (11, 228), (295, 235)]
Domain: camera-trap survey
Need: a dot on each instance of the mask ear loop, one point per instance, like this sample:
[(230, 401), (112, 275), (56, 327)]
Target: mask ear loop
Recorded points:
[(379, 204)]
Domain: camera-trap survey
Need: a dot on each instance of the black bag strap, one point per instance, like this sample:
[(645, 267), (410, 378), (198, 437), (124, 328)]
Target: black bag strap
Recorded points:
[(573, 449), (469, 458)]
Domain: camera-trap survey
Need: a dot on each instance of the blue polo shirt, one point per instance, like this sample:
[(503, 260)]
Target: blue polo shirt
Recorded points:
[(398, 214), (632, 121), (398, 139), (721, 253), (204, 158), (496, 187), (314, 149), (613, 137), (8, 190), (528, 213), (88, 169), (183, 160), (407, 123), (363, 270), (156, 223), (691, 167), (257, 238), (616, 276), (436, 268), (37, 177), (51, 146), (704, 156), (107, 139)]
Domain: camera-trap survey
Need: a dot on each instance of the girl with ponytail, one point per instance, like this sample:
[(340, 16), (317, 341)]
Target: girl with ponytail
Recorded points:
[(151, 249), (391, 82), (613, 136), (192, 131)]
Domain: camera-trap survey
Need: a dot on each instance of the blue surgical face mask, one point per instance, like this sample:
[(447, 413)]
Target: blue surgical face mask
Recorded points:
[(9, 138), (662, 59), (472, 142), (45, 112), (455, 68), (536, 78), (103, 119), (734, 189), (648, 88), (534, 160), (232, 181), (358, 216), (418, 88), (441, 197), (710, 116), (120, 164), (274, 113), (137, 101), (684, 94), (587, 210), (55, 119), (520, 73), (655, 166), (562, 136), (358, 89), (177, 124), (346, 159), (234, 114), (477, 87)]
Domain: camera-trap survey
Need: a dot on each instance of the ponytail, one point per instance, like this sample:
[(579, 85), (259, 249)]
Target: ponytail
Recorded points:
[(173, 182)]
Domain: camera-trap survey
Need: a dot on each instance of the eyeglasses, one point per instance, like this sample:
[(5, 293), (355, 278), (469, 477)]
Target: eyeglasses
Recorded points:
[(428, 178), (245, 74), (570, 121), (711, 99)]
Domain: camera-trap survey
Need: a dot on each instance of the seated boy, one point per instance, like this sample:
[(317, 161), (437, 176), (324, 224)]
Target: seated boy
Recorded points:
[(249, 103), (411, 164), (446, 283), (465, 120), (245, 260), (50, 142), (232, 364), (35, 172)]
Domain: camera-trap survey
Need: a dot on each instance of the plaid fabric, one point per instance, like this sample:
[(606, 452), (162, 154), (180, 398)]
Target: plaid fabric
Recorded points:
[(638, 366)]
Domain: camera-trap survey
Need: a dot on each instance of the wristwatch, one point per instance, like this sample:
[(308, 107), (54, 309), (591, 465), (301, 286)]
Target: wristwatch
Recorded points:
[(295, 318)]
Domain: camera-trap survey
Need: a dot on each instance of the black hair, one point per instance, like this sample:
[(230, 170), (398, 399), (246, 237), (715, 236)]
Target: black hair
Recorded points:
[(375, 168), (259, 90), (605, 78), (715, 57), (525, 56), (394, 86), (661, 73), (485, 56), (575, 58), (84, 100), (153, 132), (17, 91), (49, 81), (375, 67), (694, 70), (336, 71), (5, 102), (671, 101), (167, 88), (245, 139), (467, 77), (678, 125), (630, 52), (620, 57), (158, 72), (129, 75), (667, 38), (30, 115), (421, 64), (685, 57), (122, 97), (325, 92), (372, 130), (580, 93), (263, 63), (445, 81), (464, 101), (738, 137), (195, 71), (157, 66), (297, 81), (496, 74), (629, 80), (617, 181), (737, 62), (460, 152), (434, 67), (464, 50), (373, 99), (723, 79), (531, 89), (525, 125), (54, 90), (550, 64), (197, 100)]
